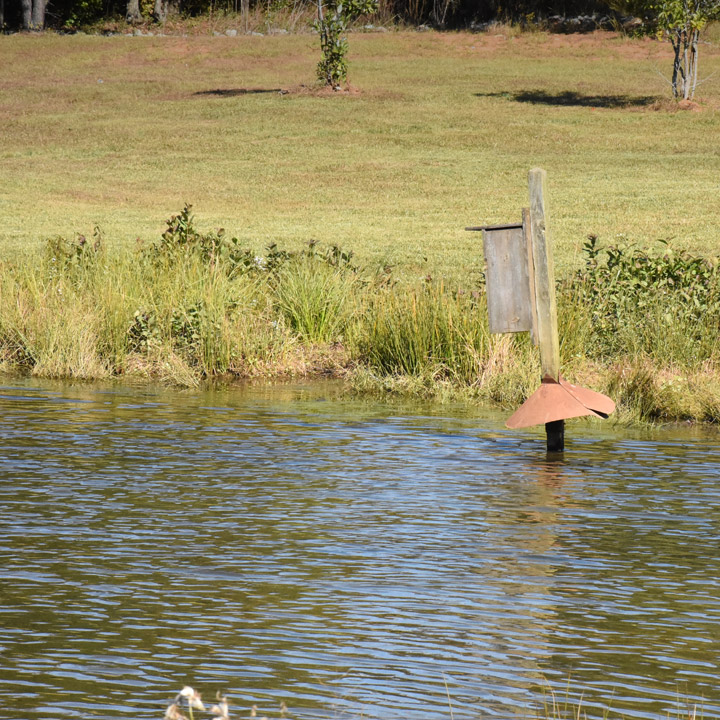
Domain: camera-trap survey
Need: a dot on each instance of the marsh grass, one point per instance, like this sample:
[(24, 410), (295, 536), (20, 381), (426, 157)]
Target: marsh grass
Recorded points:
[(640, 326), (432, 341), (49, 326), (427, 329), (315, 300)]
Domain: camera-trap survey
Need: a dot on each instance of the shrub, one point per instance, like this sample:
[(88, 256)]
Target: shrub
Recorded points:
[(665, 305)]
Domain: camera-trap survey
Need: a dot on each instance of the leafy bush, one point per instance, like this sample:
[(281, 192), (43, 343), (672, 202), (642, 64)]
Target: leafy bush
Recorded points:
[(144, 332), (74, 258), (661, 304), (181, 240)]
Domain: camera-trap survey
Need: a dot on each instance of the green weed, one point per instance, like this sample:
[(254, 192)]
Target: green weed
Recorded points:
[(664, 305)]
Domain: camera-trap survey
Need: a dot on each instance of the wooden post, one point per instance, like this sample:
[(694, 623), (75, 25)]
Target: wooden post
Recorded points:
[(527, 236), (544, 271), (555, 434)]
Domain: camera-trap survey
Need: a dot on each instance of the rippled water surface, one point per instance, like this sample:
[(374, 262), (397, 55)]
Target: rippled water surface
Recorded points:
[(351, 558)]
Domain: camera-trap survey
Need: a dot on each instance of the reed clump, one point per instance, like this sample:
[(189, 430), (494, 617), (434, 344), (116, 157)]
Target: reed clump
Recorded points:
[(640, 326), (425, 330)]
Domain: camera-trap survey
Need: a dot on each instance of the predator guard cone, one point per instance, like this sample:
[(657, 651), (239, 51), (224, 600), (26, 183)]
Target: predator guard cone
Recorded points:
[(561, 400)]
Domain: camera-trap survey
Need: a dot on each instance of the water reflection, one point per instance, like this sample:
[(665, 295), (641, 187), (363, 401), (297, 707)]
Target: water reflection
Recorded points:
[(347, 557)]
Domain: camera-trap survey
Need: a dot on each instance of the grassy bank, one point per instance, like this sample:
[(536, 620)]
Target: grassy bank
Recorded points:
[(197, 305), (439, 134)]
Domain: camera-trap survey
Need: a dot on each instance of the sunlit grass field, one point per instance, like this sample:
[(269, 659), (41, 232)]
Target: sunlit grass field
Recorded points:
[(438, 133)]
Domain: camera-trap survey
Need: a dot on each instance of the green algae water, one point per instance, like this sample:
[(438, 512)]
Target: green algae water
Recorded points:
[(354, 559)]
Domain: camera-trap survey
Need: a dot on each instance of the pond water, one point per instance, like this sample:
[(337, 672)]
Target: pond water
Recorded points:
[(352, 558)]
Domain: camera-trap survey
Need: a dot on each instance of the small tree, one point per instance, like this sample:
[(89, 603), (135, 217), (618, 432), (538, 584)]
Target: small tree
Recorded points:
[(681, 21), (334, 17)]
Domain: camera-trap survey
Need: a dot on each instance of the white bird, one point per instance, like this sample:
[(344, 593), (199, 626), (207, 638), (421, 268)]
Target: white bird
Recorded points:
[(220, 710), (173, 712), (192, 697)]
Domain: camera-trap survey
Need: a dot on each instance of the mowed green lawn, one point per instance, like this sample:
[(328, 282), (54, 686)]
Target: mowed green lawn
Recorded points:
[(439, 133)]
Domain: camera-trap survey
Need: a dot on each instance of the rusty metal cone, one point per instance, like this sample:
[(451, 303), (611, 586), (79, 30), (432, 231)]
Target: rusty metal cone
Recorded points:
[(597, 402), (561, 400)]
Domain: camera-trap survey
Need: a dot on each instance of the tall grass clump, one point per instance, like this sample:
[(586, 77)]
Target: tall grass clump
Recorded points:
[(315, 294), (47, 321), (426, 330)]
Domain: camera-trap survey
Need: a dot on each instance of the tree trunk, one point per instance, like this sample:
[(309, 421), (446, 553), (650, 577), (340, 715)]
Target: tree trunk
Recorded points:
[(133, 14), (685, 64), (163, 8), (694, 61), (245, 6), (677, 63), (2, 14), (439, 12), (38, 14), (160, 11), (686, 69), (26, 14)]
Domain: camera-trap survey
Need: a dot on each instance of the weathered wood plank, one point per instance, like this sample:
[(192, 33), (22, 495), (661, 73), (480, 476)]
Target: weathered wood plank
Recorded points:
[(527, 238), (506, 274), (547, 324)]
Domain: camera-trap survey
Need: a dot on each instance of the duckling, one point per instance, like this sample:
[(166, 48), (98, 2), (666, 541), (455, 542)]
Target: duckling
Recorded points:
[(173, 712), (221, 709)]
